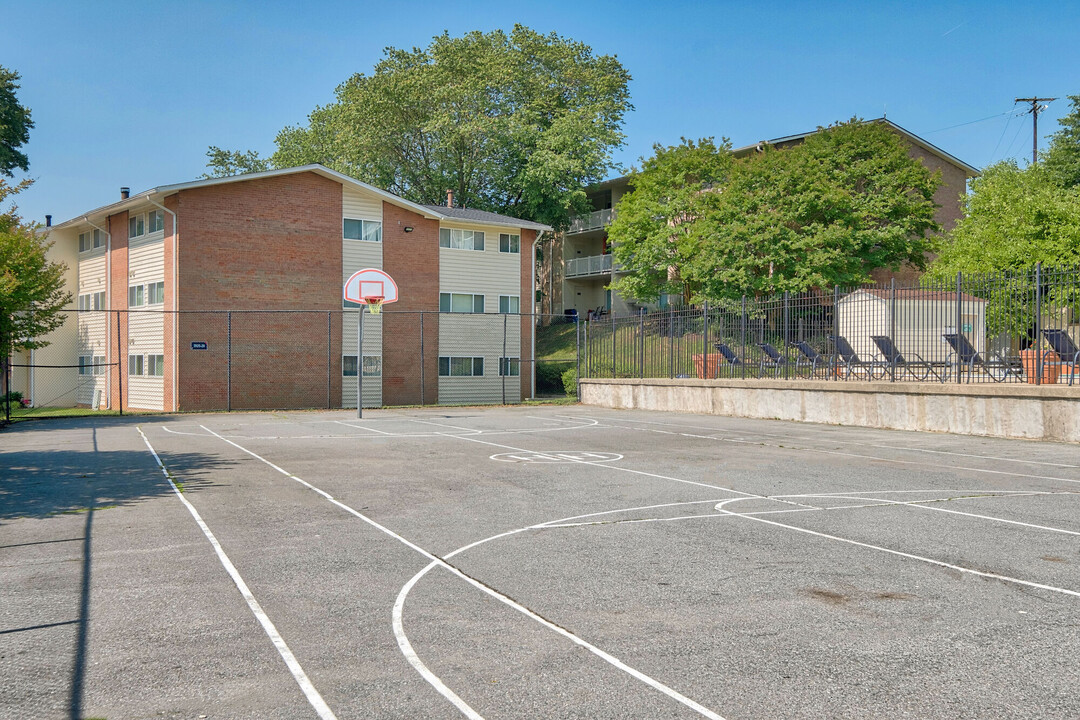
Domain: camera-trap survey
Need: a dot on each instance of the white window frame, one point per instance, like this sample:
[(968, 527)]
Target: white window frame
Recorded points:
[(481, 302), (511, 242), (155, 222), (509, 300), (372, 366), (94, 239), (510, 367), (136, 295), (476, 364), (370, 230), (136, 365), (457, 239), (158, 289)]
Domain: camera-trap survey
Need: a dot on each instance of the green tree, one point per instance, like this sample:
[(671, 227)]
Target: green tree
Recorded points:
[(225, 163), (1013, 218), (656, 231), (514, 123), (31, 286), (1062, 159), (829, 211), (15, 125)]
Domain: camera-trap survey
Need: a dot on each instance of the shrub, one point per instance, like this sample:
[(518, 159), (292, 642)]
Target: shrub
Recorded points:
[(569, 381), (14, 396), (549, 377)]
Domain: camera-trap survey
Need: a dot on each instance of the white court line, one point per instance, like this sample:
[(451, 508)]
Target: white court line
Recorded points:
[(293, 664), (471, 431), (437, 561), (866, 457), (899, 553), (823, 438), (592, 424), (362, 427)]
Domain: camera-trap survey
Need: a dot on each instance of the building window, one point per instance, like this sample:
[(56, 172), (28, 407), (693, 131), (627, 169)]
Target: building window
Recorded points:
[(372, 365), (155, 293), (461, 366), (92, 301), (368, 230), (136, 296), (461, 303), (509, 243), (136, 226), (461, 239), (135, 364), (91, 240), (155, 221), (155, 365), (91, 364), (509, 304), (509, 367)]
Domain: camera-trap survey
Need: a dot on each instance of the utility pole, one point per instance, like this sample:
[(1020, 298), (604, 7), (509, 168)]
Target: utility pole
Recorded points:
[(1035, 110)]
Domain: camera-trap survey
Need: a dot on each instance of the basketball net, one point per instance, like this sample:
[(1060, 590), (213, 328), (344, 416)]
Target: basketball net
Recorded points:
[(374, 304)]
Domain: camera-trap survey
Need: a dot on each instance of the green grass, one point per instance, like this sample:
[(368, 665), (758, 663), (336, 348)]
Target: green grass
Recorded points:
[(18, 413), (556, 342)]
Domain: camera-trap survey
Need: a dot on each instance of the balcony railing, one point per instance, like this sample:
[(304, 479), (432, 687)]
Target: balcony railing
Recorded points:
[(585, 266), (593, 221)]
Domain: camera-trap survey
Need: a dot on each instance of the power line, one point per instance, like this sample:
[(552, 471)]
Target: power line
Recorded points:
[(1035, 110), (1013, 112)]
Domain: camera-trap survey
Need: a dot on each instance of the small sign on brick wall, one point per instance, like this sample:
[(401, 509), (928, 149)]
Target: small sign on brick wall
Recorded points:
[(198, 346)]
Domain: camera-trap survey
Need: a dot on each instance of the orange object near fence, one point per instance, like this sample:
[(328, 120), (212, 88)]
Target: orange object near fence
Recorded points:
[(1051, 370)]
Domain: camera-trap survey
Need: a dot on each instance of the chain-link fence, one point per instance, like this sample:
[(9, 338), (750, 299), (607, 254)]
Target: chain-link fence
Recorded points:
[(121, 361), (1013, 327)]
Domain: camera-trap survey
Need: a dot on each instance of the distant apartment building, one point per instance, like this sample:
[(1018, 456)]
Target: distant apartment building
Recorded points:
[(582, 271), (177, 258)]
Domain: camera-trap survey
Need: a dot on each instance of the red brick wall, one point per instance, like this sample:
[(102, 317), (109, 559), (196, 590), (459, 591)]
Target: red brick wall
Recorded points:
[(528, 303), (267, 244), (168, 401), (117, 225), (412, 259)]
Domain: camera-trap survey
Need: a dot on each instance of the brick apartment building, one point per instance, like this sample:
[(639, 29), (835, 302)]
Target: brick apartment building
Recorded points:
[(178, 256)]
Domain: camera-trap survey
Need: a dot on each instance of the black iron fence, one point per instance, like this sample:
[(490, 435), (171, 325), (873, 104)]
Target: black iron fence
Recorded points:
[(155, 360), (1015, 327)]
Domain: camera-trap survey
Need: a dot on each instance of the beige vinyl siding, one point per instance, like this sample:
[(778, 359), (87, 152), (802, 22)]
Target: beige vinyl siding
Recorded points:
[(360, 205), (357, 255), (466, 335), (489, 273), (372, 346), (93, 337), (146, 324)]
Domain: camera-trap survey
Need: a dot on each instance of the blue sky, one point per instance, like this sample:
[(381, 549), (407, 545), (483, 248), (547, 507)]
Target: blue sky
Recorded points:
[(134, 93)]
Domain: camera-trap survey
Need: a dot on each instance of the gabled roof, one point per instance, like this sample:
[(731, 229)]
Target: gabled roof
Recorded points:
[(484, 218), (912, 137), (431, 212)]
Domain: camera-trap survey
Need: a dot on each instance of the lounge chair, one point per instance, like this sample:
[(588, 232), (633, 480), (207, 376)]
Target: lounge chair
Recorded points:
[(809, 357), (966, 356), (920, 369), (771, 357), (851, 363), (731, 360), (1066, 349)]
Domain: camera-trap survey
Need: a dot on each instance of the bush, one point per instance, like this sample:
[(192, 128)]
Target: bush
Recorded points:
[(549, 377), (14, 396), (569, 381)]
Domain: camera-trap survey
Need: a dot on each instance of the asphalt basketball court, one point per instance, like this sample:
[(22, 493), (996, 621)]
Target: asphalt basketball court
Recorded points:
[(565, 562)]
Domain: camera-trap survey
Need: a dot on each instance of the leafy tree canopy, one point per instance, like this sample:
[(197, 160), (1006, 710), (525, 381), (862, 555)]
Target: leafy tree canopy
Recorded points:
[(658, 241), (15, 125), (1013, 218), (224, 163), (1062, 159), (514, 123), (31, 286), (825, 212)]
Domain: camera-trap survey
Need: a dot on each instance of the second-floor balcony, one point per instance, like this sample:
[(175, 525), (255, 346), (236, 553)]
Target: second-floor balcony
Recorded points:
[(595, 220), (586, 266)]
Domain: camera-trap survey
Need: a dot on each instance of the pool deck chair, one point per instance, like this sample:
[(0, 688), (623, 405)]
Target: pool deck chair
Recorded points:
[(1066, 349), (849, 363), (771, 358), (731, 360), (809, 357), (966, 356), (894, 361)]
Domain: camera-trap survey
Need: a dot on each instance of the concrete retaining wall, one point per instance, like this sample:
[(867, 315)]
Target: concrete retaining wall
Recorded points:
[(1012, 411)]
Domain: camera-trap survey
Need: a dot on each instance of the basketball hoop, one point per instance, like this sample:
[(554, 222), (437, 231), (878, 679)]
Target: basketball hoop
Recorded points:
[(374, 303)]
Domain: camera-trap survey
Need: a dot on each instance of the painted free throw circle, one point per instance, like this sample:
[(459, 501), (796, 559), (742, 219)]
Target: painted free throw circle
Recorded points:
[(557, 456)]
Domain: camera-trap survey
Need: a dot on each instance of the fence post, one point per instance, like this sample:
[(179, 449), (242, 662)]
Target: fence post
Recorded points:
[(671, 340), (1037, 345), (742, 330), (360, 362), (5, 359), (892, 325), (577, 355), (641, 335), (119, 367), (329, 355), (422, 358), (705, 339), (504, 361), (787, 330), (836, 331), (228, 360), (585, 342), (959, 324), (614, 351)]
